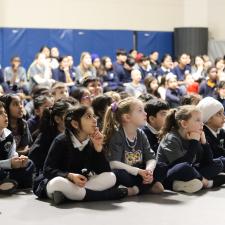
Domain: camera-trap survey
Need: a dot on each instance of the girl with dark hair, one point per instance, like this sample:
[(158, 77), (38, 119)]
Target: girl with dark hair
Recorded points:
[(18, 126), (110, 79), (151, 84), (166, 66), (100, 105), (82, 95), (15, 171), (51, 124), (76, 167)]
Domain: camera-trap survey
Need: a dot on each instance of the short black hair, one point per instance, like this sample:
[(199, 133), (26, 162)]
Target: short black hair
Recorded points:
[(153, 106), (121, 52)]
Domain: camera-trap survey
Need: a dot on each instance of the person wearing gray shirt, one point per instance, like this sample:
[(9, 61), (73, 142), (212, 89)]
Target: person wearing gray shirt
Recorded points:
[(128, 158)]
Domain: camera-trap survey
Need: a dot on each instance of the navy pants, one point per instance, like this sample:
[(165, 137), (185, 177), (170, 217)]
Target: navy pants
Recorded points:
[(222, 158), (185, 172), (128, 180), (23, 176)]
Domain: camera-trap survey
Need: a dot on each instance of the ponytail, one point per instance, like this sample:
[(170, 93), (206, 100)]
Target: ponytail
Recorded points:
[(113, 116), (110, 123), (174, 117), (170, 123), (48, 124)]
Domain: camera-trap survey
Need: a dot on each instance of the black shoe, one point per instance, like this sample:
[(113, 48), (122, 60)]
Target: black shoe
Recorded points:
[(118, 193), (109, 194), (58, 197), (8, 186), (218, 180)]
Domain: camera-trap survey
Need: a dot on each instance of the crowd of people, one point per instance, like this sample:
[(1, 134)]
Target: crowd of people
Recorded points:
[(106, 130)]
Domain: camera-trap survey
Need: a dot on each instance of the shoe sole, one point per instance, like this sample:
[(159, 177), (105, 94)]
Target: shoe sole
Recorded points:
[(191, 186)]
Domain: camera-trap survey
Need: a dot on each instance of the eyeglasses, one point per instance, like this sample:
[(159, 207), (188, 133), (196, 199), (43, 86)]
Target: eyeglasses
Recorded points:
[(86, 97)]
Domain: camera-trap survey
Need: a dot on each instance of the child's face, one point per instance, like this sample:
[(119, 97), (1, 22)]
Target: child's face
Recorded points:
[(189, 79), (87, 60), (122, 58), (70, 60), (136, 76), (16, 62), (172, 83), (146, 63), (222, 92), (88, 122), (183, 59), (65, 63), (108, 63), (48, 104), (61, 93), (216, 122), (16, 108), (86, 99), (154, 85), (3, 119), (199, 61), (194, 124), (97, 63), (138, 115), (55, 52), (220, 65), (158, 121), (168, 63), (155, 56), (213, 74), (95, 88)]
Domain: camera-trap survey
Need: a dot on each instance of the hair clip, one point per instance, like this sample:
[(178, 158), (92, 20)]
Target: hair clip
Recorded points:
[(114, 106)]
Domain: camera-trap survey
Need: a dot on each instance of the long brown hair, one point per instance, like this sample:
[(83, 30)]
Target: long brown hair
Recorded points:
[(174, 117), (113, 116)]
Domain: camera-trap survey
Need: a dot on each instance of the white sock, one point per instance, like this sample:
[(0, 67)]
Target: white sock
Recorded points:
[(210, 184), (132, 191)]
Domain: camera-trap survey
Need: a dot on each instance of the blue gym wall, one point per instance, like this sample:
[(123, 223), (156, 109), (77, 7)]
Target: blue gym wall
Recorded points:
[(26, 42)]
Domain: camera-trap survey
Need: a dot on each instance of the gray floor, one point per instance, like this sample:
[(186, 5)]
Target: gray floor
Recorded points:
[(207, 207)]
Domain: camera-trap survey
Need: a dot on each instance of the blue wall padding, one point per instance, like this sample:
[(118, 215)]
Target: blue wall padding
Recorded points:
[(150, 41), (26, 42)]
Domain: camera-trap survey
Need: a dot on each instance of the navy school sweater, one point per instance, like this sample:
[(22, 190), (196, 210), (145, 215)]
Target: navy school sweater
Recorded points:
[(63, 158), (217, 144)]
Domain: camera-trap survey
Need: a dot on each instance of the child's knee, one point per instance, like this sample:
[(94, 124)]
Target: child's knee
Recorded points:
[(110, 178)]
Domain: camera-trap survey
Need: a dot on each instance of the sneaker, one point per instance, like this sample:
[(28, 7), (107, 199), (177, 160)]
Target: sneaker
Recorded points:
[(119, 193), (190, 186), (8, 186), (58, 197), (218, 180)]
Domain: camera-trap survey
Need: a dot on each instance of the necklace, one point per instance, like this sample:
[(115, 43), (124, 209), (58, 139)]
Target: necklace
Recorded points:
[(129, 143)]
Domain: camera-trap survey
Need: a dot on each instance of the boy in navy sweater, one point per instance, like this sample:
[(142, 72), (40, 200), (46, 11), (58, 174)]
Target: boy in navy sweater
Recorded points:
[(156, 110)]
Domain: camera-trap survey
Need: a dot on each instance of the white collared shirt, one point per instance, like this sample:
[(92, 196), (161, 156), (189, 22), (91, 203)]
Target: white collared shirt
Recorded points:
[(6, 164), (5, 134), (152, 129), (76, 142), (215, 133)]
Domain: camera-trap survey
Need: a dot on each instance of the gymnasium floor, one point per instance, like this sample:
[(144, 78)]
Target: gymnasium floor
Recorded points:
[(204, 208)]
